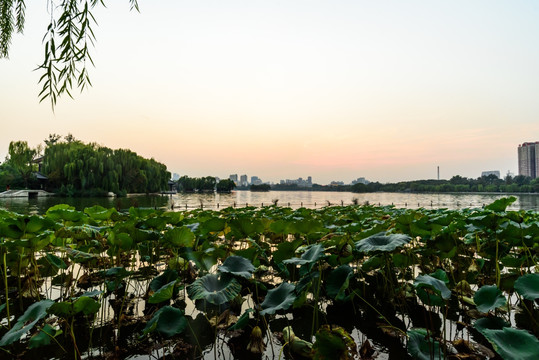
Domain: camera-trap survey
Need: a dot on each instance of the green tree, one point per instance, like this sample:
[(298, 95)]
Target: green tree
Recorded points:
[(225, 185), (67, 40), (21, 158)]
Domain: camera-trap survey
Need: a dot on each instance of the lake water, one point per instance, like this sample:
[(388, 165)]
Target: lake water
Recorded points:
[(293, 199)]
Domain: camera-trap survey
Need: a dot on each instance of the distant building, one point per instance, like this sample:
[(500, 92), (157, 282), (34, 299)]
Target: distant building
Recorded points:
[(528, 159), (255, 180), (336, 183), (360, 180), (299, 182), (175, 177), (493, 172), (234, 177), (243, 180)]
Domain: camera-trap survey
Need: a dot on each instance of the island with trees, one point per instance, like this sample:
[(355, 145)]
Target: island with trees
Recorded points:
[(70, 167)]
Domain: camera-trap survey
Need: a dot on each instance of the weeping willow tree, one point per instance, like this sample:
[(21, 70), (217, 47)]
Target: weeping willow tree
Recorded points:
[(90, 167), (67, 41)]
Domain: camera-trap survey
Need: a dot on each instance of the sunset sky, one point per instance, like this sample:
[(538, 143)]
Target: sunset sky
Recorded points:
[(336, 90)]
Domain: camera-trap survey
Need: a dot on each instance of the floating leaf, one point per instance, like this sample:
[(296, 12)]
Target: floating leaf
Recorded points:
[(528, 286), (237, 265), (280, 298), (488, 297), (382, 242), (214, 289)]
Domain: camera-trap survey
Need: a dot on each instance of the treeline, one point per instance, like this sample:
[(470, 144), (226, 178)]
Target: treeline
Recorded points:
[(457, 183), (204, 184), (74, 168)]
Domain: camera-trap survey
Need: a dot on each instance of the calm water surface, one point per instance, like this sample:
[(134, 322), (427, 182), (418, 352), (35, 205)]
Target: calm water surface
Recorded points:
[(293, 199)]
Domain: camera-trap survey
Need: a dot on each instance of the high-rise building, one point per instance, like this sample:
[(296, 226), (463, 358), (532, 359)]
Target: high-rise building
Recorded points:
[(528, 159), (234, 177), (243, 180)]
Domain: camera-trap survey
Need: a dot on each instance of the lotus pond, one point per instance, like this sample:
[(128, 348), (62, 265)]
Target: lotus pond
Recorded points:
[(341, 282)]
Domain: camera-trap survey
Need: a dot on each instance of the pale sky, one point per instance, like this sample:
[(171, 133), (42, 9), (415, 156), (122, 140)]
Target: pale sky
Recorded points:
[(336, 90)]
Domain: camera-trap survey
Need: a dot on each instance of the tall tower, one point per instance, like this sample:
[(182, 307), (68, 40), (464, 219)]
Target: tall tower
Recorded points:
[(528, 159)]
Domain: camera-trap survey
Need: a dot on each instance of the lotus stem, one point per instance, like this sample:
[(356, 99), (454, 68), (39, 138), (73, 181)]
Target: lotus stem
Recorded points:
[(7, 292)]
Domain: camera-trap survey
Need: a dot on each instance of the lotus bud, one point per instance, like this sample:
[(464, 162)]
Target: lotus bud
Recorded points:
[(256, 343), (297, 345)]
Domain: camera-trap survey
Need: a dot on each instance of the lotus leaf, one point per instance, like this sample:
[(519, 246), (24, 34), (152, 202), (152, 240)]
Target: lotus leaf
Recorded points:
[(310, 256), (180, 237), (280, 298), (26, 321), (490, 323), (237, 265), (528, 286), (43, 337), (333, 342), (513, 343), (373, 263), (163, 294), (122, 240), (166, 277), (99, 213), (501, 204), (420, 347), (214, 289), (430, 282), (382, 242), (489, 297), (56, 261), (338, 281), (242, 321), (168, 321)]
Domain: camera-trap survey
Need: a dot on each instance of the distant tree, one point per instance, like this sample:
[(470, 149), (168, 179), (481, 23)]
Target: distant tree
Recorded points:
[(53, 139), (261, 187), (70, 138), (522, 180), (225, 185), (21, 157)]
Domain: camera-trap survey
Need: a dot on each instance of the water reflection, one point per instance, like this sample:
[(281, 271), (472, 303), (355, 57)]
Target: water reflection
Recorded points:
[(294, 199)]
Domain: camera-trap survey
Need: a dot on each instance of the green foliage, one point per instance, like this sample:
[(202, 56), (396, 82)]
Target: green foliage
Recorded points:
[(238, 266), (489, 297), (80, 168), (527, 286), (214, 289), (167, 321), (280, 298), (27, 321), (68, 39), (421, 347), (382, 242), (229, 259), (512, 343)]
